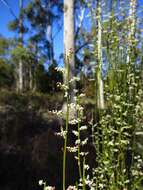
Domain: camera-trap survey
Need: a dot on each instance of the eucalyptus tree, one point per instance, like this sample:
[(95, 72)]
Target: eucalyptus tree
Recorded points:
[(69, 40), (76, 38), (20, 68), (42, 14), (17, 25), (4, 46), (6, 68), (69, 61), (131, 28), (100, 90), (28, 59)]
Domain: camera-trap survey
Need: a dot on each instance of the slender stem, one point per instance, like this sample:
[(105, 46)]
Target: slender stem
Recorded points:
[(79, 159), (65, 152), (83, 179), (67, 126)]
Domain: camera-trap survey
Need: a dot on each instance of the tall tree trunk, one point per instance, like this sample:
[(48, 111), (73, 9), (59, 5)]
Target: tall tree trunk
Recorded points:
[(100, 87), (69, 58), (30, 79), (49, 33), (131, 24), (131, 41), (20, 65), (69, 44)]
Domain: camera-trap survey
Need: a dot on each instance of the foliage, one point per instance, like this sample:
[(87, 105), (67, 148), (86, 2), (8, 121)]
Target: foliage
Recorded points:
[(4, 45), (22, 53), (41, 15), (46, 81), (30, 101), (6, 74)]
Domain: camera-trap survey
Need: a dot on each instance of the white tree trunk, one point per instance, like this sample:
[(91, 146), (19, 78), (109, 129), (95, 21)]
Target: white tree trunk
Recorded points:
[(69, 43), (49, 33), (50, 43), (100, 86), (131, 40), (30, 79), (132, 18), (20, 76), (132, 26), (20, 65)]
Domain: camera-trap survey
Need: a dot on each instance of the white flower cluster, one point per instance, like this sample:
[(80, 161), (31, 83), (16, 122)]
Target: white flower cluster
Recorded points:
[(57, 112), (72, 149), (72, 188), (41, 182), (60, 69), (62, 133), (74, 79)]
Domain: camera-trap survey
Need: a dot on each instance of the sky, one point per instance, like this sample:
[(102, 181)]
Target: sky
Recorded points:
[(5, 17)]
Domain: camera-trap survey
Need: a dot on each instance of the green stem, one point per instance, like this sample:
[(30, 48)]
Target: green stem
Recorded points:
[(79, 160), (66, 135), (83, 179)]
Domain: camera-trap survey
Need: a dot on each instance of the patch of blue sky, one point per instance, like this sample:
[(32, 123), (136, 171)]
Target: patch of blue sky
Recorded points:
[(6, 17)]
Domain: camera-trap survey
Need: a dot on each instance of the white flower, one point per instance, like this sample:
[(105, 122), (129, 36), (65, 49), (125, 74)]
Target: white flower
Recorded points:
[(124, 142), (75, 133), (62, 133), (77, 142), (111, 143), (49, 188), (83, 153), (57, 112), (73, 121), (66, 94), (72, 149), (60, 69), (84, 127), (117, 98), (75, 91), (82, 95), (40, 182), (79, 108), (59, 84), (101, 185), (86, 167), (71, 188), (84, 142), (74, 79)]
